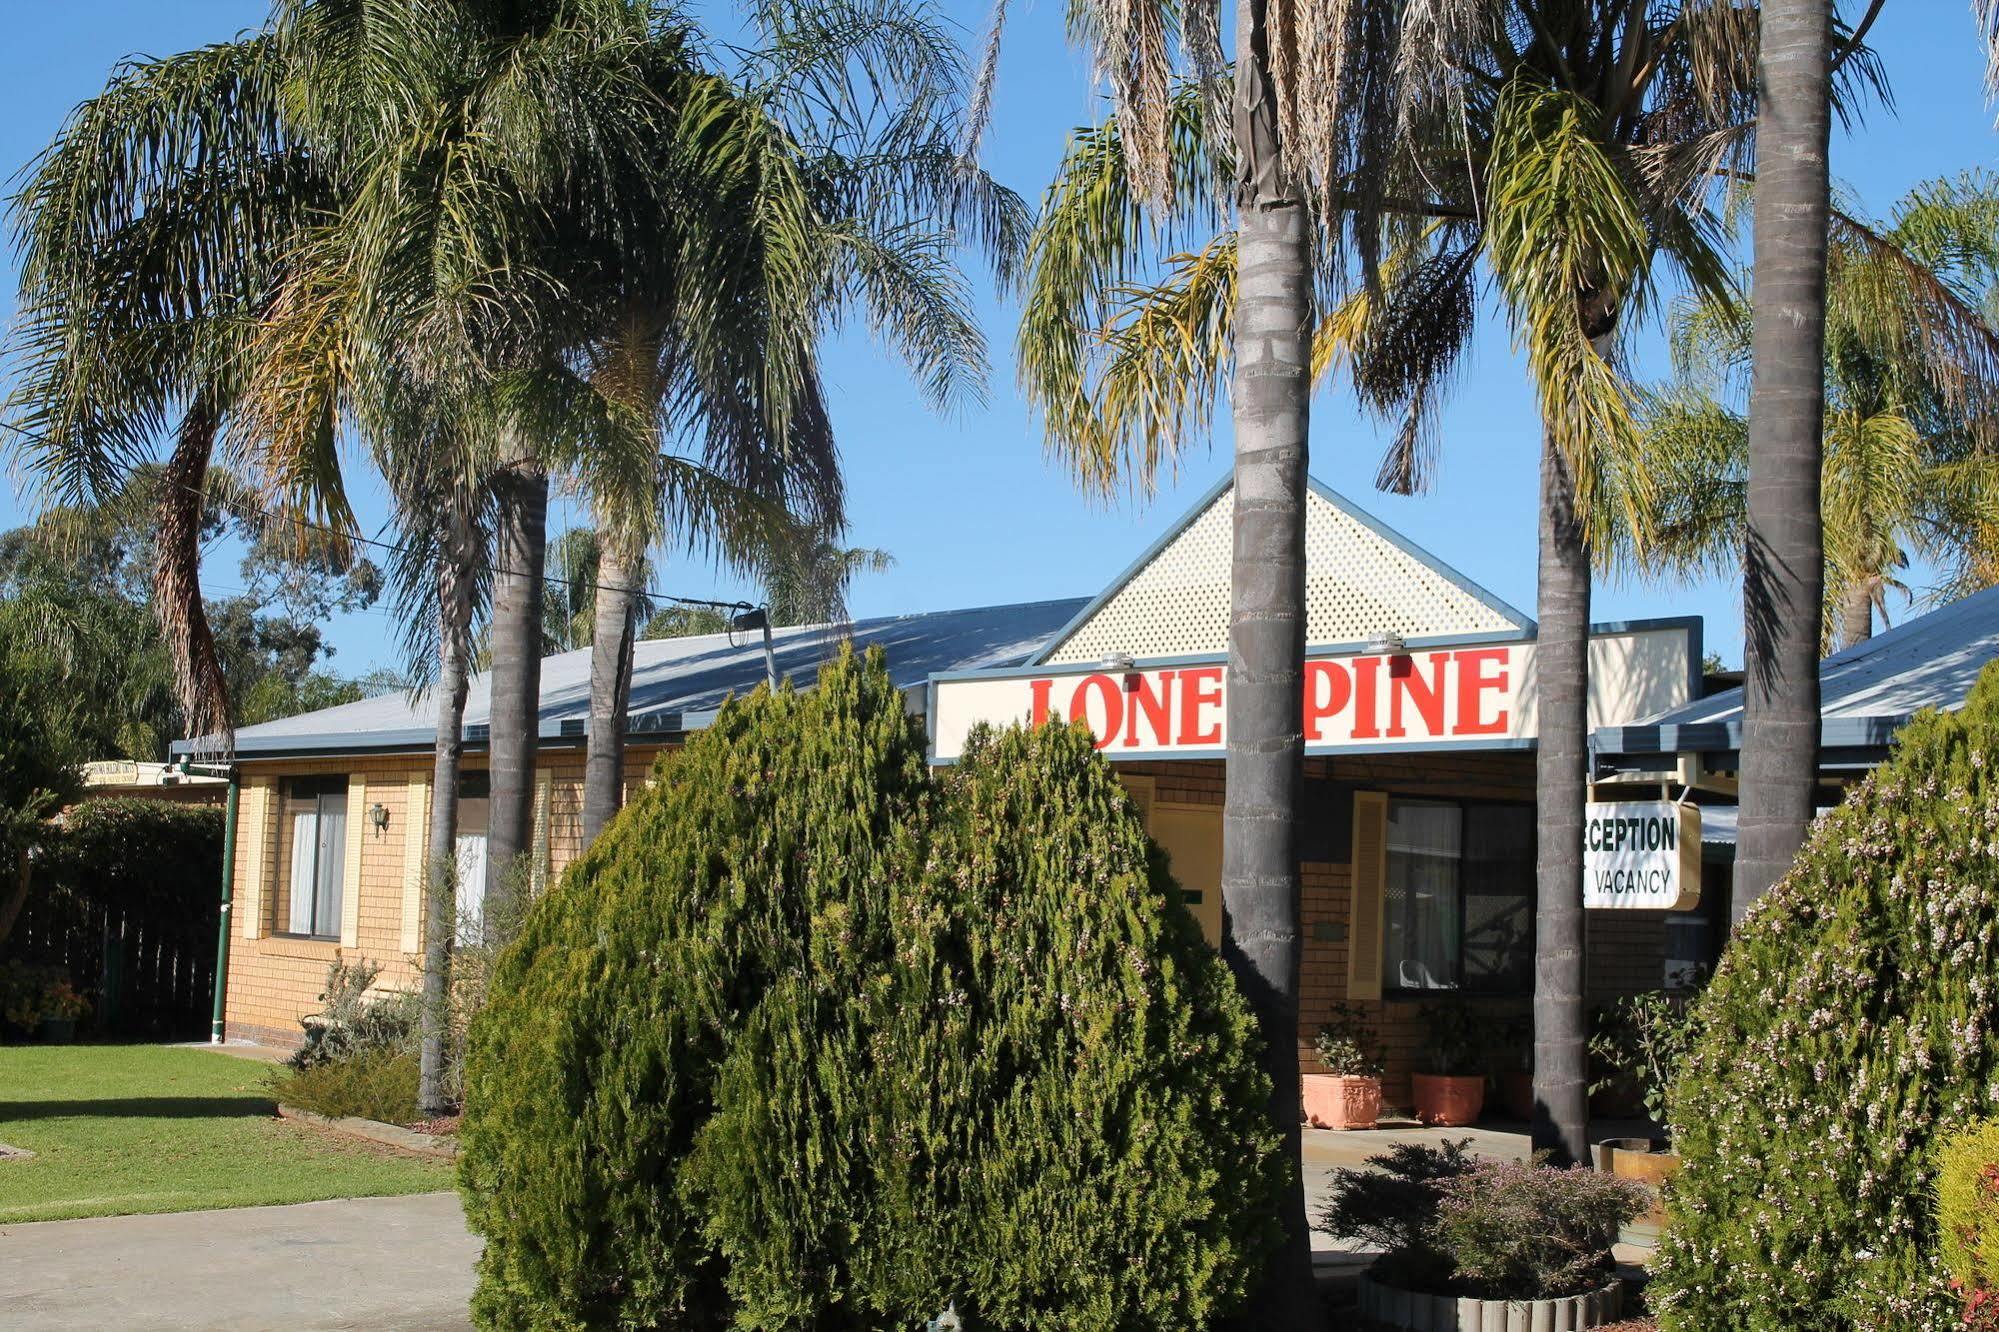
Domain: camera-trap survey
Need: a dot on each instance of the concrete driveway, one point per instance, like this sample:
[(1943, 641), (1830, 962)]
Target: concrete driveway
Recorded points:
[(374, 1263)]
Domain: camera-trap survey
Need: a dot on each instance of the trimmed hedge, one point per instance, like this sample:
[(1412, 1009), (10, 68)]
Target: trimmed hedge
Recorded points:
[(1850, 1022), (810, 1039)]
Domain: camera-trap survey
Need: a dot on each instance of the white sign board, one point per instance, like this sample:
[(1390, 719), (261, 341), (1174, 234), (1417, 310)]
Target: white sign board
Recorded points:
[(1468, 695), (1642, 855)]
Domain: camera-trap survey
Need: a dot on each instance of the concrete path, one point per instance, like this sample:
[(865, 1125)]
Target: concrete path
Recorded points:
[(374, 1263), (385, 1263)]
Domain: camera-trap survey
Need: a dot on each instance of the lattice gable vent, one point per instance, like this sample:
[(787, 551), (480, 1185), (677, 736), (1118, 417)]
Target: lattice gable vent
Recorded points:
[(1359, 583)]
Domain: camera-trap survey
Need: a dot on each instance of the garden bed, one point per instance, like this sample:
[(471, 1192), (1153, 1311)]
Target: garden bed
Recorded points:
[(374, 1130)]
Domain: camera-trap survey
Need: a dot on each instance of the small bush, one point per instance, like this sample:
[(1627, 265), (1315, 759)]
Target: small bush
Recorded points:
[(29, 993), (1449, 1223), (1533, 1232), (1392, 1208), (1640, 1041), (1852, 1019), (1968, 1209), (372, 1084), (1346, 1045), (354, 1021)]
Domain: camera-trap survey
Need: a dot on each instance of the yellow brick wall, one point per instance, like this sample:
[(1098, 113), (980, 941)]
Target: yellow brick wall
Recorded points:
[(275, 981)]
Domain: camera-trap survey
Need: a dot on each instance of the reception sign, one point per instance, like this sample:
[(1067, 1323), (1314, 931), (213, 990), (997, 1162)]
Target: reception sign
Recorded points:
[(1642, 855), (1456, 694)]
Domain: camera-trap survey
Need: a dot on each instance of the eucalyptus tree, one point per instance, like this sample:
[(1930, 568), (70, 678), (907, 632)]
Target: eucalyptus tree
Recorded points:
[(1908, 465), (151, 233), (1553, 152)]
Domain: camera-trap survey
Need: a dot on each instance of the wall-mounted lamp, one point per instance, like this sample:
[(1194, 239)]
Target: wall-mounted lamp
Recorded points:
[(378, 818), (1384, 644), (1117, 661)]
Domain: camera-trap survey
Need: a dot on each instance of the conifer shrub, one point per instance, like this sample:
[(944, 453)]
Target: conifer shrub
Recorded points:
[(1850, 1023), (1057, 1116), (810, 1039), (1967, 1197)]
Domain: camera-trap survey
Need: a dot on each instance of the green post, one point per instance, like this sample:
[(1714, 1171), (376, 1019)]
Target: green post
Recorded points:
[(222, 926)]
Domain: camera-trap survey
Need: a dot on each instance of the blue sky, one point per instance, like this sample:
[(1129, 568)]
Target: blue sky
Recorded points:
[(969, 505)]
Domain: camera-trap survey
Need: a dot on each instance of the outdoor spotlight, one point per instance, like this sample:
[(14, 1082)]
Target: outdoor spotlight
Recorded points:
[(1118, 661), (1384, 644), (378, 818)]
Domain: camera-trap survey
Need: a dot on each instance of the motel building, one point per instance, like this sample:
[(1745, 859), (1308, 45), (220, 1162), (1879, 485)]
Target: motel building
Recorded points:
[(1418, 824)]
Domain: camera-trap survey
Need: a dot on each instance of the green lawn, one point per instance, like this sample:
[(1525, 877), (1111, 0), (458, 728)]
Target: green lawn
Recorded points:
[(146, 1128)]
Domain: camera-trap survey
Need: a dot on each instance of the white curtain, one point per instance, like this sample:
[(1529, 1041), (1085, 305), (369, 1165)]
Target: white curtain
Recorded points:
[(1425, 843), (472, 815), (332, 861), (305, 857)]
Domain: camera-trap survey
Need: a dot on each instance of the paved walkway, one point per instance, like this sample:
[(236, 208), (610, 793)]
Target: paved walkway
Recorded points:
[(373, 1263)]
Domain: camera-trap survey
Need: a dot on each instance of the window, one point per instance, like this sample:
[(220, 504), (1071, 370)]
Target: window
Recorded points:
[(474, 813), (1458, 905), (316, 808)]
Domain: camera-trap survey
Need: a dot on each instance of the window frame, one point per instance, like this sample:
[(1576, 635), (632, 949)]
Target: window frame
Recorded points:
[(296, 792), (1389, 973)]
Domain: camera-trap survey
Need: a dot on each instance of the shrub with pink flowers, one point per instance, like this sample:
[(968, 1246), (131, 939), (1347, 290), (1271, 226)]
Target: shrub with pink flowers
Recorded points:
[(1854, 1019), (1449, 1223)]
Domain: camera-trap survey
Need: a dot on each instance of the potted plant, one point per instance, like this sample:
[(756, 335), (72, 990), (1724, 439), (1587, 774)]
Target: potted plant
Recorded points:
[(60, 1009), (1347, 1095), (1481, 1244), (1452, 1093), (1641, 1046)]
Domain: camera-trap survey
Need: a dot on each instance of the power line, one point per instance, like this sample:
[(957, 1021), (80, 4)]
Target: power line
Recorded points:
[(238, 507)]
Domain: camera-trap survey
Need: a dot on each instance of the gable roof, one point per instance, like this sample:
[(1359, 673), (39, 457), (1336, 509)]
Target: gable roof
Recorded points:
[(1362, 579), (1866, 692), (677, 683)]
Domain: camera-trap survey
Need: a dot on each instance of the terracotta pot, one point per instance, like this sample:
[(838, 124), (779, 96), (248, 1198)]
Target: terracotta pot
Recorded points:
[(1516, 1093), (1413, 1311), (1335, 1101), (1645, 1162), (1447, 1102)]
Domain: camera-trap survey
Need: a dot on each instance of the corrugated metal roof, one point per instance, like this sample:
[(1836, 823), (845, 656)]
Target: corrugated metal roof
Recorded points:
[(677, 683), (1866, 691)]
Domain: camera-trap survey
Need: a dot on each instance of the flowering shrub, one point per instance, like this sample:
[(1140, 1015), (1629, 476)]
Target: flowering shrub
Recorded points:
[(1346, 1045), (1851, 1019), (1968, 1218), (1450, 1223), (1533, 1232)]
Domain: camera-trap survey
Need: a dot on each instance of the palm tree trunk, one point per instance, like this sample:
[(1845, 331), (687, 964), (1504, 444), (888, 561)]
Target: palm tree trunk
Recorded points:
[(521, 493), (454, 610), (1561, 671), (202, 690), (1271, 395), (1856, 613), (610, 687), (1784, 564)]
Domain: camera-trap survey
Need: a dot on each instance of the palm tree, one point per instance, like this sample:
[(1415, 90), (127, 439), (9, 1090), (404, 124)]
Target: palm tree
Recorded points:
[(1912, 397), (1783, 572), (1442, 141), (151, 232), (1229, 143)]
